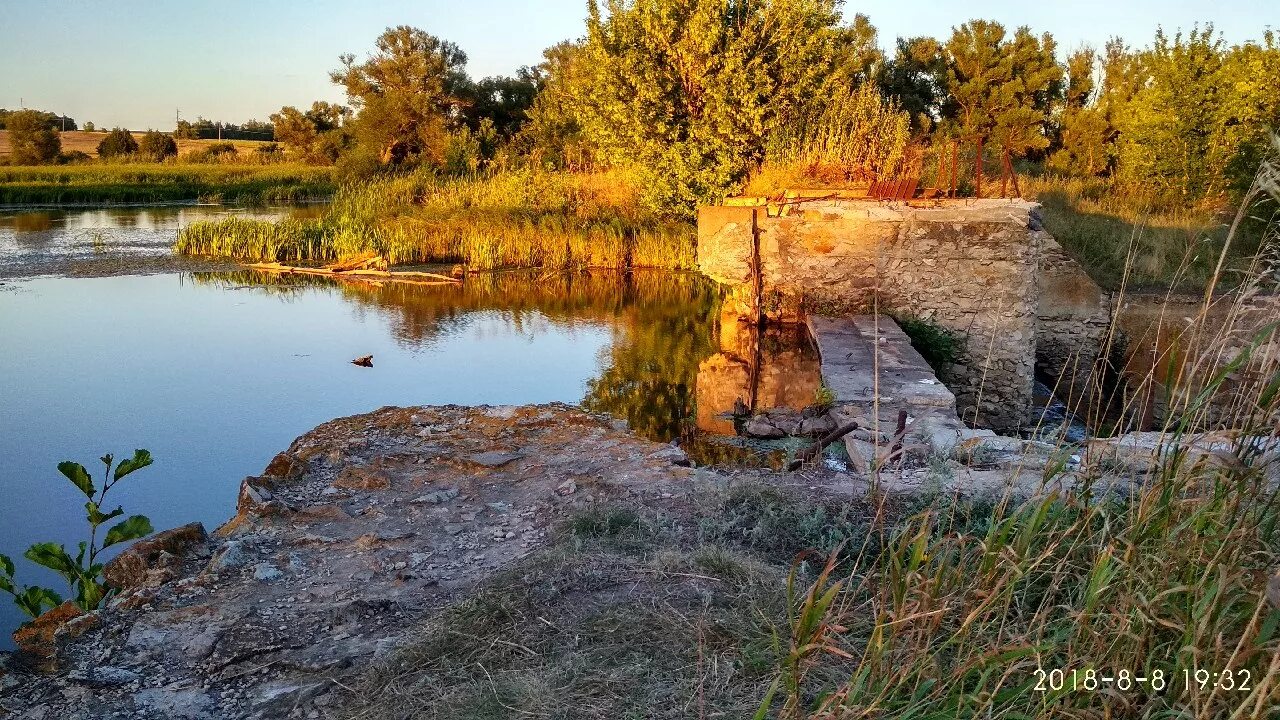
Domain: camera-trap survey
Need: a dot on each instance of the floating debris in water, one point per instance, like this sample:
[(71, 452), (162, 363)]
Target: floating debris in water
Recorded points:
[(363, 361)]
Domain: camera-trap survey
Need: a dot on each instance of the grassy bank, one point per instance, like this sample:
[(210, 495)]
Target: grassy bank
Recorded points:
[(1110, 231), (110, 183), (524, 218)]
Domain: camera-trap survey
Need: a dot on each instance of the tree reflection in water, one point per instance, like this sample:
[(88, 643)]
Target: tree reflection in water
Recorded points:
[(664, 324)]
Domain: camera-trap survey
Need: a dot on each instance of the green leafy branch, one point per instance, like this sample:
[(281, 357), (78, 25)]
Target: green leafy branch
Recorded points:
[(82, 573)]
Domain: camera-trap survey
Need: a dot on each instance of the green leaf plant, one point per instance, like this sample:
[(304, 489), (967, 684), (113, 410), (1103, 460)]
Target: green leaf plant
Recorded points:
[(83, 573)]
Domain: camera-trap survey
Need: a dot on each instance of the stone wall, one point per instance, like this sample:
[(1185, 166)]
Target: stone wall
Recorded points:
[(1075, 317), (968, 266)]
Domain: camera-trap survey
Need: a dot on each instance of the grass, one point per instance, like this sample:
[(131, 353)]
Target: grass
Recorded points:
[(1120, 237), (523, 218), (629, 614), (108, 183)]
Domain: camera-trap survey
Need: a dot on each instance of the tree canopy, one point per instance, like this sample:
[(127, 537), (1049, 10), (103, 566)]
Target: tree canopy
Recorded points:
[(32, 137)]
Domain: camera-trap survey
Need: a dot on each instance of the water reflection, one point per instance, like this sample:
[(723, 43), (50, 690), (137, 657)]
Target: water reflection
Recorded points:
[(662, 326), (776, 368)]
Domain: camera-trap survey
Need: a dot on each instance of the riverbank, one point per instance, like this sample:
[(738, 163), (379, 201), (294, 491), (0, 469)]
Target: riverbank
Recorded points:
[(469, 561), (140, 183)]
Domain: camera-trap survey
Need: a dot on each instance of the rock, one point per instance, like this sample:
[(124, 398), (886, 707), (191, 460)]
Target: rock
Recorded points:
[(762, 429), (673, 455), (256, 496), (568, 487), (154, 558), (40, 638), (266, 572), (494, 458), (436, 497), (174, 703), (285, 467), (105, 676), (361, 477), (230, 557), (819, 425)]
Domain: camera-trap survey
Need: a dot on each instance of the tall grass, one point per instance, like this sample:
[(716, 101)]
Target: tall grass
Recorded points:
[(127, 182), (1118, 234), (514, 219), (1153, 562), (856, 138)]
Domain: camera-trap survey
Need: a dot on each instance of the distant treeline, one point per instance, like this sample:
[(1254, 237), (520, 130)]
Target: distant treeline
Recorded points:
[(55, 121), (203, 129)]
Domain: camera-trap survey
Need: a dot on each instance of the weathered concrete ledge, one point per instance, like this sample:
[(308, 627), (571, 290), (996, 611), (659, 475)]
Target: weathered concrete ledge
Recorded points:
[(874, 372), (369, 524)]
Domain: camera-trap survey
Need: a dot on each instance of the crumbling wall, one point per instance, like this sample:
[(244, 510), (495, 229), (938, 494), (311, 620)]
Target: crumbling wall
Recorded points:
[(969, 267), (1075, 317)]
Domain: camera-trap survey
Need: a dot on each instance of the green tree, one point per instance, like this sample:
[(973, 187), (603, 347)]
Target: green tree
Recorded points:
[(406, 94), (1001, 90), (157, 146), (118, 143), (688, 91), (1083, 131), (553, 133), (89, 127), (32, 137), (316, 134), (916, 78), (503, 101)]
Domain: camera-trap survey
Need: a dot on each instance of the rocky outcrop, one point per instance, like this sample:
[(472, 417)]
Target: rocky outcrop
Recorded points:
[(363, 525)]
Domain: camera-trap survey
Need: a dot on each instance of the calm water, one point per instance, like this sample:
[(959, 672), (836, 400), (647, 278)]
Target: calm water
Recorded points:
[(46, 241), (215, 373)]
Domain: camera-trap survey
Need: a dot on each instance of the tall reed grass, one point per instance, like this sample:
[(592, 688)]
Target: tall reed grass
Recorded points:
[(514, 219), (1152, 563)]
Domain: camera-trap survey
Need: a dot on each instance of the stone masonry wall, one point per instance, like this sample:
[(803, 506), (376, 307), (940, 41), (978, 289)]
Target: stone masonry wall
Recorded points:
[(1075, 317), (968, 266)]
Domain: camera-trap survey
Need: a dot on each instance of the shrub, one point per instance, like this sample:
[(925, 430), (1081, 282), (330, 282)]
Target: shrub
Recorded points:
[(158, 146), (32, 138), (118, 143), (74, 157)]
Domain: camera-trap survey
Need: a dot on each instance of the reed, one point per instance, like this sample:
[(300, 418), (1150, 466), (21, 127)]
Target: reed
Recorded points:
[(515, 219)]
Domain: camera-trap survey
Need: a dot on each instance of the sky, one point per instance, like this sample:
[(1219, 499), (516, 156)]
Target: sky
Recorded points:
[(135, 64)]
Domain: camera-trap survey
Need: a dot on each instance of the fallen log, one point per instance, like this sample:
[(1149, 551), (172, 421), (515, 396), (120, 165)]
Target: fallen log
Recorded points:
[(811, 453), (369, 261), (408, 276)]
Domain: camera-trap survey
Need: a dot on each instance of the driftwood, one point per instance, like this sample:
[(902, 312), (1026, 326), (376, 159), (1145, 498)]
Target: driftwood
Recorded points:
[(811, 453), (363, 361), (363, 262), (405, 276)]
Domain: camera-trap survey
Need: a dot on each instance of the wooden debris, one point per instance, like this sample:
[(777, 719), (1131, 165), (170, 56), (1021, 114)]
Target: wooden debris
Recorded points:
[(812, 452), (363, 361), (361, 274), (369, 261)]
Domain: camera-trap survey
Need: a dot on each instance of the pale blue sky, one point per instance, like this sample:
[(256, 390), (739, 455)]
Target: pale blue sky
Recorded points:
[(131, 63)]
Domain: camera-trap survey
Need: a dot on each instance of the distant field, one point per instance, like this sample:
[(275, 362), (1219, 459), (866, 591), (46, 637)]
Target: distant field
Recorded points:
[(87, 142)]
